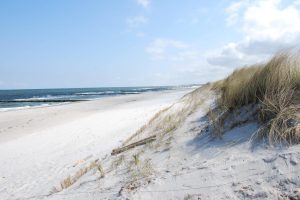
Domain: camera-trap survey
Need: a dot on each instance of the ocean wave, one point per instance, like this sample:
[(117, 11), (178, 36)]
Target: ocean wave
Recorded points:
[(95, 93), (33, 98), (48, 97), (130, 92)]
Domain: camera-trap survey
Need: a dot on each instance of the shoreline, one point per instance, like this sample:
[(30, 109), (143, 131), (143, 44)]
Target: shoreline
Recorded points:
[(20, 99), (54, 102), (28, 121), (40, 146)]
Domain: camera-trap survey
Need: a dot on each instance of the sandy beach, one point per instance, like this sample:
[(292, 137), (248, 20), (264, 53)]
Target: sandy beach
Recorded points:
[(148, 99), (64, 151), (40, 146)]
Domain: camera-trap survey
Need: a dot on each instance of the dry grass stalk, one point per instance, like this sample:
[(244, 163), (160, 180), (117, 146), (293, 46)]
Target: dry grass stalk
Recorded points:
[(71, 179), (140, 130), (136, 159), (169, 119), (215, 121), (66, 183)]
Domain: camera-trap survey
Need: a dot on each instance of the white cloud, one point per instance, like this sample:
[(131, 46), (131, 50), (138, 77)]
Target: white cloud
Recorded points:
[(187, 63), (232, 12), (296, 2), (144, 3), (267, 20), (168, 49), (136, 21), (267, 27)]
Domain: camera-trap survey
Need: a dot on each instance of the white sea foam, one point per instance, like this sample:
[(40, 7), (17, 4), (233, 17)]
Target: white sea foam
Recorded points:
[(27, 107), (14, 108)]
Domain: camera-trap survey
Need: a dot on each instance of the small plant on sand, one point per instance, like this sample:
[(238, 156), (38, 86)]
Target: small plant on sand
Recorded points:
[(136, 159), (101, 170), (139, 168), (66, 183), (119, 160)]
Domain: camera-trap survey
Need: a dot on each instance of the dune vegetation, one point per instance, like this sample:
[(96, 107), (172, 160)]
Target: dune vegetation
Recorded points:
[(169, 119), (275, 87)]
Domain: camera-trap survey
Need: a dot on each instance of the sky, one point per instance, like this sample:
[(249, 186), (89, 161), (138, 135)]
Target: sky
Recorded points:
[(97, 43)]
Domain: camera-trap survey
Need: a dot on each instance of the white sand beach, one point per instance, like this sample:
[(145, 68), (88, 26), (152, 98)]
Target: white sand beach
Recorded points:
[(64, 151), (41, 146)]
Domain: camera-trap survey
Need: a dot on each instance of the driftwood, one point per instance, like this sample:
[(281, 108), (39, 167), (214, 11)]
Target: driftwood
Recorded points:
[(135, 144)]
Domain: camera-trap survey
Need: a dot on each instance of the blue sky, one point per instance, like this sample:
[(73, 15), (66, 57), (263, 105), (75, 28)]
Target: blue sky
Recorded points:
[(72, 43)]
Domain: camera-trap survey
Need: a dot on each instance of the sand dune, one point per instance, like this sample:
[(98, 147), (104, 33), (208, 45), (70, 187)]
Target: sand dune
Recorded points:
[(188, 163)]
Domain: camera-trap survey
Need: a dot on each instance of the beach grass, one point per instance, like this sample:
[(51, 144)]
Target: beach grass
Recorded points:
[(275, 86)]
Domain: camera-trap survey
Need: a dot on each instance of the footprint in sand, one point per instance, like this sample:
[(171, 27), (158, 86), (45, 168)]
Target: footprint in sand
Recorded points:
[(293, 160), (270, 159)]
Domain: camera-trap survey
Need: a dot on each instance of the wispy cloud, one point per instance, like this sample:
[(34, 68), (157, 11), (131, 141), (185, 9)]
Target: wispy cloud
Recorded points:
[(144, 3), (140, 34), (168, 49), (188, 64), (267, 26), (136, 21)]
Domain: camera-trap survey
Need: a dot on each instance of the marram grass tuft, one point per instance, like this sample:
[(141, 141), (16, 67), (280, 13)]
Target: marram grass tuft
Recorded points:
[(275, 86)]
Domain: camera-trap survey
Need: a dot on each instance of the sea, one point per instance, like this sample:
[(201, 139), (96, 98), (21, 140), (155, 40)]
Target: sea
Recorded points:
[(26, 98)]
